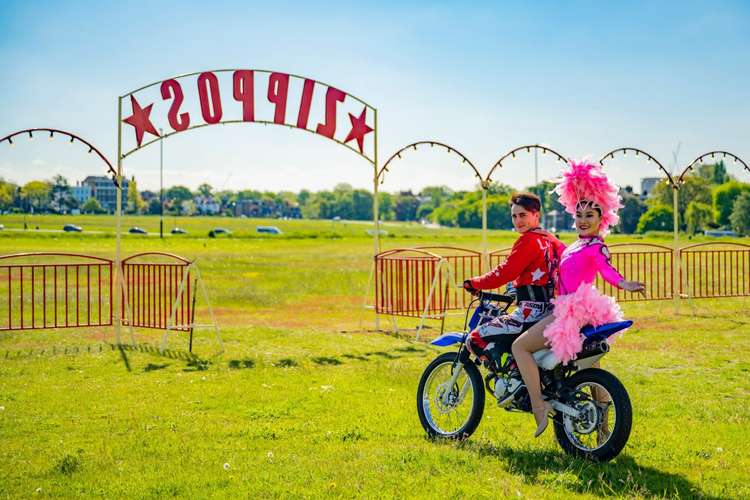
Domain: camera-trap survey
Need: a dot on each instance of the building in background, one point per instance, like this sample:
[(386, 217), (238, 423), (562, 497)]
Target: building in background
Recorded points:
[(648, 184), (81, 193), (105, 191)]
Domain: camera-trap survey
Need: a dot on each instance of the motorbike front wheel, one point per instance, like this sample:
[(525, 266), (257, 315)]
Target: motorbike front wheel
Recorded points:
[(446, 410)]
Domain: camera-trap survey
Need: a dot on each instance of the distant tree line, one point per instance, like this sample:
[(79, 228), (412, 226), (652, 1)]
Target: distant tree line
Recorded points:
[(708, 199)]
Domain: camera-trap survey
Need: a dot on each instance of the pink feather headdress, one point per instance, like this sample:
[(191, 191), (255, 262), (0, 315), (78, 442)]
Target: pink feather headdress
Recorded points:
[(585, 180)]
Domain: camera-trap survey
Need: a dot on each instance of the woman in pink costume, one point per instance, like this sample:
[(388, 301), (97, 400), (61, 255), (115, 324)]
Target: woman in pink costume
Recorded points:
[(586, 193)]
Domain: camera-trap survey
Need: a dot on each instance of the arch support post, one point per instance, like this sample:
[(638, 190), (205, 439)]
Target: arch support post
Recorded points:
[(485, 249), (676, 264), (118, 229)]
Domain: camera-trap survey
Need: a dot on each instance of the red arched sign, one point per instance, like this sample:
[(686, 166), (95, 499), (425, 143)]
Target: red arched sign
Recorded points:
[(222, 96)]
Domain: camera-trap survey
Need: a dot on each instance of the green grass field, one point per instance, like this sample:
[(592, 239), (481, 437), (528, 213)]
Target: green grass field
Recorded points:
[(302, 403)]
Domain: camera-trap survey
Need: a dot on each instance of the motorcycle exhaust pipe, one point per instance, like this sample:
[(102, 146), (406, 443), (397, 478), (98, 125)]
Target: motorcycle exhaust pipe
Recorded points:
[(595, 348)]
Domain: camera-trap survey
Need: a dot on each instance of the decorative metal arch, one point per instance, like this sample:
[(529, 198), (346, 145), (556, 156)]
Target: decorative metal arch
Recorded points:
[(512, 153), (264, 122), (637, 152), (712, 154), (381, 173), (73, 138)]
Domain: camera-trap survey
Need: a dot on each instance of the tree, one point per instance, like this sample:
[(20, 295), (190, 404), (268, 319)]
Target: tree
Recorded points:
[(630, 213), (724, 197), (178, 194), (740, 218), (92, 206), (135, 203), (154, 206), (205, 190), (7, 191), (694, 188), (361, 204), (714, 173), (436, 194), (697, 216), (59, 193), (657, 218), (386, 205), (37, 192), (406, 206)]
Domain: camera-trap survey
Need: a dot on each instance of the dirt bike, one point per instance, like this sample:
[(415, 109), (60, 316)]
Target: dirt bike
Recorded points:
[(592, 412)]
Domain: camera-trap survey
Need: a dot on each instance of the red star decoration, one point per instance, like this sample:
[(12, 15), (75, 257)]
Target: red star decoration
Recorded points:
[(140, 120), (359, 129)]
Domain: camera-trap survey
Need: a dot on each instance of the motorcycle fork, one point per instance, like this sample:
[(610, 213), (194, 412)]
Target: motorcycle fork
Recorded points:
[(456, 371)]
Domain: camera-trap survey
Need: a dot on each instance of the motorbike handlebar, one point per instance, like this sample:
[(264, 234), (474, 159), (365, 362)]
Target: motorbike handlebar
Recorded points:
[(496, 297)]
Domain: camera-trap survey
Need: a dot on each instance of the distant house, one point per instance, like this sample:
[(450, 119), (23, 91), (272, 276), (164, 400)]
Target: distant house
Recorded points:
[(105, 191), (207, 205), (648, 184), (81, 193)]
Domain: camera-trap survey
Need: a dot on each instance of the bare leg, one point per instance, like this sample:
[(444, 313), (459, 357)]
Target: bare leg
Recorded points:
[(601, 398), (531, 341)]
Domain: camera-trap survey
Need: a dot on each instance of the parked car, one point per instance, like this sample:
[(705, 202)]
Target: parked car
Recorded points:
[(72, 228), (268, 229), (137, 230), (221, 230), (2, 227), (178, 230)]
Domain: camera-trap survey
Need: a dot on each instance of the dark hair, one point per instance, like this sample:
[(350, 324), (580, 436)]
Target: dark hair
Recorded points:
[(529, 201)]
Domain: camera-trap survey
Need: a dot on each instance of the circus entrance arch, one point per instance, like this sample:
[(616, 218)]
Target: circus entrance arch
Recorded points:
[(160, 109)]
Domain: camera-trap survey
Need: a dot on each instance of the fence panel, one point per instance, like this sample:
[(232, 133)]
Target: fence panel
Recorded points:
[(710, 270), (463, 264), (647, 263), (54, 290), (403, 280), (152, 282)]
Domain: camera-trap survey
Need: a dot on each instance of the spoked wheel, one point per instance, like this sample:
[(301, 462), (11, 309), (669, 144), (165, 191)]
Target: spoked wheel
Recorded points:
[(449, 410), (603, 428)]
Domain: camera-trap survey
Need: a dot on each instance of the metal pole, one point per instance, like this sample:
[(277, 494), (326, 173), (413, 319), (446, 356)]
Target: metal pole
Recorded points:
[(376, 210), (536, 166), (485, 256), (676, 281), (161, 185), (118, 227)]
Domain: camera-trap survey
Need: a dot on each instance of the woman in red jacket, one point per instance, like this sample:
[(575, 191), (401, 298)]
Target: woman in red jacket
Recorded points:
[(531, 267)]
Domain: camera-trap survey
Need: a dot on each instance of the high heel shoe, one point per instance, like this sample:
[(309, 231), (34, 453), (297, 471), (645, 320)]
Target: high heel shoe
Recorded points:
[(540, 415)]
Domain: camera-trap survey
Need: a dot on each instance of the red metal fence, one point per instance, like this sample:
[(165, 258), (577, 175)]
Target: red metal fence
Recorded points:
[(38, 291), (463, 264), (715, 270), (157, 289), (647, 263), (403, 281), (706, 270)]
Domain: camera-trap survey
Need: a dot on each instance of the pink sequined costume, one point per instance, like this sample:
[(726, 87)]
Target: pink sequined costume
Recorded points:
[(578, 302)]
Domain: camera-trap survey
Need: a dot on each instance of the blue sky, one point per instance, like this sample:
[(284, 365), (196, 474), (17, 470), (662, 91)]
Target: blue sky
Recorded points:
[(581, 77)]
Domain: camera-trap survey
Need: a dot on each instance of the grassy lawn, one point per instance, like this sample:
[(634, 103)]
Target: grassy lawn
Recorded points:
[(304, 404)]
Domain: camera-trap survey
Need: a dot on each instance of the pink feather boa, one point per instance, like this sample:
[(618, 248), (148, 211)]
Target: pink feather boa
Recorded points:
[(573, 311), (585, 180)]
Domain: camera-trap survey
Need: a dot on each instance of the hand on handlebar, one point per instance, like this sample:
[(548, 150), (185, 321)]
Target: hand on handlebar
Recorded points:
[(470, 288)]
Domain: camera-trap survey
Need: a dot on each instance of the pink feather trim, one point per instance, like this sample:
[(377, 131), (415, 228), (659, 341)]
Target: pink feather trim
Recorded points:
[(573, 311), (585, 180)]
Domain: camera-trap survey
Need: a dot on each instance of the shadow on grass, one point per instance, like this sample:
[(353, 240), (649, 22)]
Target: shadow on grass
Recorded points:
[(152, 367), (622, 477), (239, 364), (326, 360)]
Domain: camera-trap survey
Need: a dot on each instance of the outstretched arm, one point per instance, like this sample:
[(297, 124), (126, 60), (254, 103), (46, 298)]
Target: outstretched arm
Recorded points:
[(612, 275)]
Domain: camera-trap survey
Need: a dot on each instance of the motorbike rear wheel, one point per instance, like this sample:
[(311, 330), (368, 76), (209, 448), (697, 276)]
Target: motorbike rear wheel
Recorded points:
[(450, 412), (602, 431)]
